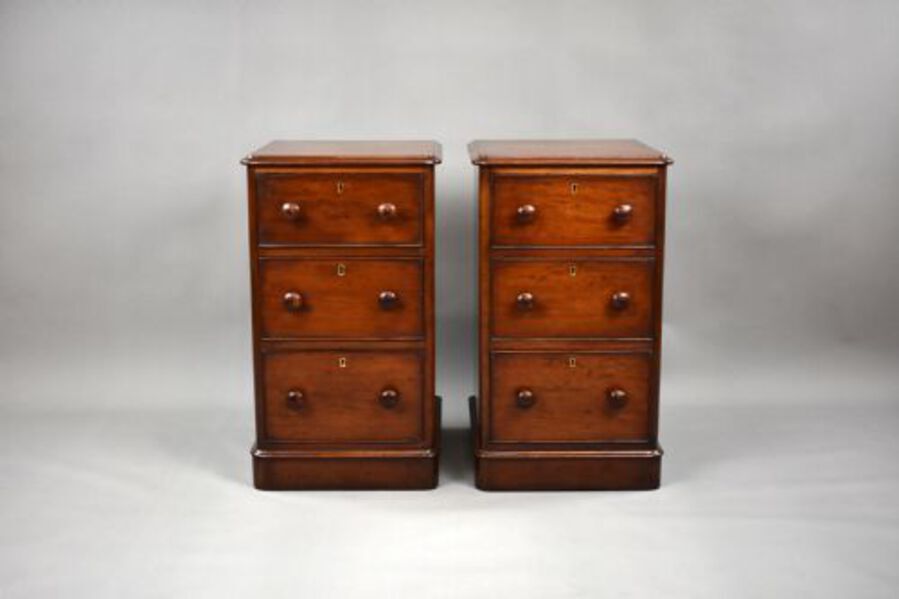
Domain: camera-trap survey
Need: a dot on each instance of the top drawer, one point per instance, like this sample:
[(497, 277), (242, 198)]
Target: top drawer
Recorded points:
[(573, 209), (339, 208)]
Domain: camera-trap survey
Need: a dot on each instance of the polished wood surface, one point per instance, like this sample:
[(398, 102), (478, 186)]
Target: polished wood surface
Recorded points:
[(570, 255), (572, 298), (549, 210), (340, 208), (564, 152), (345, 297), (311, 152), (573, 397), (346, 396), (342, 269)]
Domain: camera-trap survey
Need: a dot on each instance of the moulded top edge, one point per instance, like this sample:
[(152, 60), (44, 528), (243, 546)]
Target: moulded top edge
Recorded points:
[(565, 152), (319, 152)]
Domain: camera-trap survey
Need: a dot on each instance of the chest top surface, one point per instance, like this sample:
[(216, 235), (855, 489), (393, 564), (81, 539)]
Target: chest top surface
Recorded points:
[(565, 152), (286, 152)]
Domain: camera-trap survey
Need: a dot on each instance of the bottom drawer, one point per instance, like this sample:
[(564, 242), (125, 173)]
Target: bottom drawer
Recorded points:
[(343, 397), (557, 397)]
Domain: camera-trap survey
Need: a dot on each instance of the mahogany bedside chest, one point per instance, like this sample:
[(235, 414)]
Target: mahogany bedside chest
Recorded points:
[(571, 239), (342, 269)]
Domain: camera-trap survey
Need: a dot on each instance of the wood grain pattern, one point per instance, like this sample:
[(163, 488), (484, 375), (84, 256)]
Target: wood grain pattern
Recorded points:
[(341, 275), (342, 305), (571, 397), (564, 152), (573, 210), (341, 396), (572, 305), (340, 208), (535, 469), (313, 152), (570, 256), (291, 467)]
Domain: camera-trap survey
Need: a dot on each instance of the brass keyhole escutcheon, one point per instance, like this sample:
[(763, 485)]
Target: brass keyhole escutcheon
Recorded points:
[(573, 188), (340, 187), (341, 270), (341, 362), (572, 362), (572, 270)]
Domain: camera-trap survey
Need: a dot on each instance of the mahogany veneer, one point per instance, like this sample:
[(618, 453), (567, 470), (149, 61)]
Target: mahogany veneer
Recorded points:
[(342, 268), (571, 245)]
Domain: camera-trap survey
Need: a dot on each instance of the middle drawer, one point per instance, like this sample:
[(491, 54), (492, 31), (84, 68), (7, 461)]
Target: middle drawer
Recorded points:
[(585, 297), (376, 298)]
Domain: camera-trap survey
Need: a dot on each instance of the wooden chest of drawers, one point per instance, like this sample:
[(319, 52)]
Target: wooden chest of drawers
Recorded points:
[(571, 238), (342, 268)]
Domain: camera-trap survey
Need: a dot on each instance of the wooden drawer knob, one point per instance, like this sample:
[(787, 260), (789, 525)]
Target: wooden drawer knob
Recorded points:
[(622, 212), (388, 299), (387, 211), (525, 300), (290, 210), (293, 301), (525, 398), (389, 397), (621, 300), (526, 213), (296, 399), (616, 398)]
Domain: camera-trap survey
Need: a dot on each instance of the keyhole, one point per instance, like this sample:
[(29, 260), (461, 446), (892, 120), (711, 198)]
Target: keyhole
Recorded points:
[(340, 187), (341, 270), (572, 362), (341, 362), (573, 188), (572, 270)]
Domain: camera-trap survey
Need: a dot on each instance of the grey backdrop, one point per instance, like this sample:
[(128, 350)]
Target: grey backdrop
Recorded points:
[(124, 308)]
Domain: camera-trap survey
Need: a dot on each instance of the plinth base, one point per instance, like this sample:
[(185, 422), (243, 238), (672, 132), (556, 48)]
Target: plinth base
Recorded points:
[(626, 469)]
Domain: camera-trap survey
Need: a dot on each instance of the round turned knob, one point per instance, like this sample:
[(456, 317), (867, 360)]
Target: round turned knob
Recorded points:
[(389, 397), (296, 399), (388, 299), (525, 398), (387, 210), (621, 300), (622, 212), (525, 300), (616, 398), (293, 301), (290, 210), (526, 213)]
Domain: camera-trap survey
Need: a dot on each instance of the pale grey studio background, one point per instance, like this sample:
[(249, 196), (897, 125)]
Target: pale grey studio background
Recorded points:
[(125, 345)]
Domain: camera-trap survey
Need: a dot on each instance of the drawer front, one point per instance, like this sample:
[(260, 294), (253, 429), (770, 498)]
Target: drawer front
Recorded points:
[(349, 397), (573, 210), (572, 298), (569, 397), (341, 298), (339, 209)]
